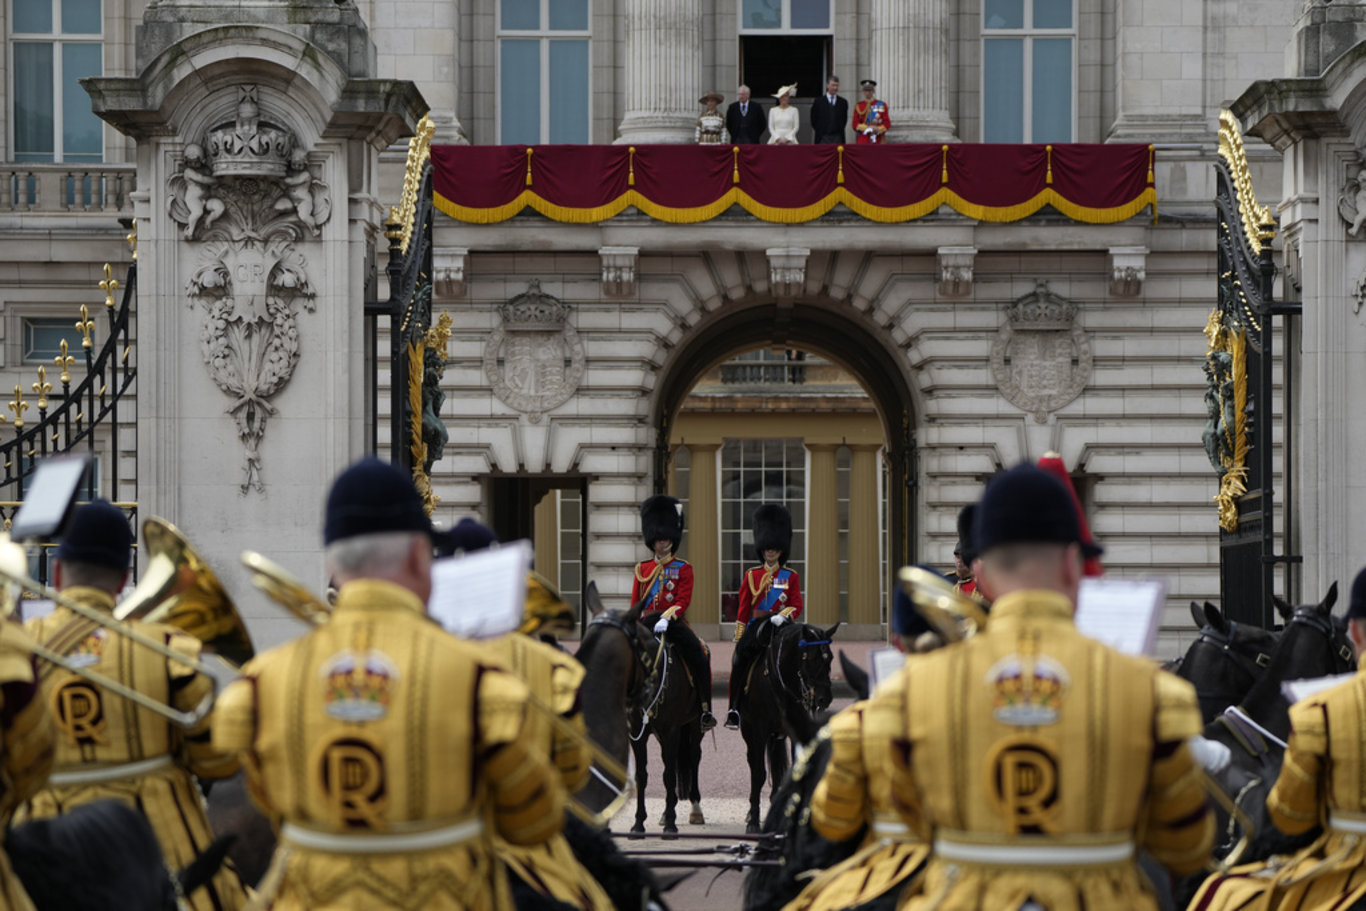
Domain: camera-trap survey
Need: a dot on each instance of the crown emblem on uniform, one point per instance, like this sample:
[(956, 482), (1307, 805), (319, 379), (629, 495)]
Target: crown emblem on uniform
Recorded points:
[(1028, 689), (247, 147), (358, 685), (534, 311), (89, 651), (1042, 309)]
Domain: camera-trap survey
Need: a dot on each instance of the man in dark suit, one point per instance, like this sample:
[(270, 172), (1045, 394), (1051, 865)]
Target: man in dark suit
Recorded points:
[(829, 114), (745, 119)]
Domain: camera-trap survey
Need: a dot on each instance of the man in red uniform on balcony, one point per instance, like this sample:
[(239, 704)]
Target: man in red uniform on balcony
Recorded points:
[(871, 118), (664, 584), (770, 592)]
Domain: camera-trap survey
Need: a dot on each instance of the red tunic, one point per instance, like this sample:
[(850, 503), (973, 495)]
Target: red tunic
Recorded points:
[(768, 592), (872, 114), (667, 584)]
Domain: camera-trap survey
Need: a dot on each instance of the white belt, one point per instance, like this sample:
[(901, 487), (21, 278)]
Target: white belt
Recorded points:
[(1027, 855), (98, 774), (889, 828), (1355, 823), (382, 842)]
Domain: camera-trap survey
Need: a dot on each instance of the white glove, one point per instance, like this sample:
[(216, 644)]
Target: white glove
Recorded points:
[(662, 624), (777, 619), (1212, 755)]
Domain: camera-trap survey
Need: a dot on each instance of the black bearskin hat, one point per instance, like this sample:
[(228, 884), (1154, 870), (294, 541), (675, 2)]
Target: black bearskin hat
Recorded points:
[(661, 519), (773, 531), (966, 549)]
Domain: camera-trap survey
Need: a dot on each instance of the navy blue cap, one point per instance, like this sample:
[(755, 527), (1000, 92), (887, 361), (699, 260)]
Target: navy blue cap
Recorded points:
[(907, 622), (373, 496), (1027, 505), (98, 534), (466, 537), (1356, 607)]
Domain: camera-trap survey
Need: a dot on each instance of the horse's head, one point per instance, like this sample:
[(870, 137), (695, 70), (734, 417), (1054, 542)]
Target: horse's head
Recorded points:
[(1225, 660), (812, 656)]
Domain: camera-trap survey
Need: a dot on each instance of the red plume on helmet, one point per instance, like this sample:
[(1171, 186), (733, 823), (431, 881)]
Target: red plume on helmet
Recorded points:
[(1052, 463)]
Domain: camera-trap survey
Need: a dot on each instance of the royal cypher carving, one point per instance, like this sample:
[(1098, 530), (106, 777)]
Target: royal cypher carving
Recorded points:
[(1041, 360), (245, 196), (534, 359)]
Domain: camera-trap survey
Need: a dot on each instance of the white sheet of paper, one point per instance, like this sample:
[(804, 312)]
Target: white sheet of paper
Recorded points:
[(882, 664), (1122, 613), (481, 595), (1297, 690)]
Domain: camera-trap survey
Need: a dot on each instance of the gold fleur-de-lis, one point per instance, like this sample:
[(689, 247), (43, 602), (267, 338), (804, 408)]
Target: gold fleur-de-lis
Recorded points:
[(42, 388), (109, 285), (64, 361), (86, 325), (132, 239), (18, 406)]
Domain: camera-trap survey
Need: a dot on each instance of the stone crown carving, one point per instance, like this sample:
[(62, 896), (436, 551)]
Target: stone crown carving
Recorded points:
[(249, 148), (533, 311), (1041, 358), (1041, 310)]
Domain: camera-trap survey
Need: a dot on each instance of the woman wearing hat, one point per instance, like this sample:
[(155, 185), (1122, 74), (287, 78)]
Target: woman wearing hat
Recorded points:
[(783, 119), (711, 124)]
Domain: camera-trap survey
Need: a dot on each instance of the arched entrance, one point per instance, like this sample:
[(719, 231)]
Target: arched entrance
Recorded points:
[(839, 334)]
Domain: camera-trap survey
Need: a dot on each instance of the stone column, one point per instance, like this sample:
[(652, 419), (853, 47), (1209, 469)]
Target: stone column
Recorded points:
[(546, 537), (704, 547), (865, 583), (663, 77), (909, 60), (821, 584)]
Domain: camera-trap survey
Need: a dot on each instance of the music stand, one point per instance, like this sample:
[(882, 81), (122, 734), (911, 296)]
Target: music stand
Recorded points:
[(51, 497)]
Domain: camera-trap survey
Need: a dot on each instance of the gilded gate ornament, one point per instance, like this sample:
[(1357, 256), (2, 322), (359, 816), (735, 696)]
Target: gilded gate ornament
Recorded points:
[(245, 195)]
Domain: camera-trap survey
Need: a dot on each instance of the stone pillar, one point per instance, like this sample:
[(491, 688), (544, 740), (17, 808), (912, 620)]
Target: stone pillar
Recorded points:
[(546, 536), (258, 220), (821, 584), (865, 575), (704, 548), (909, 60), (663, 77)]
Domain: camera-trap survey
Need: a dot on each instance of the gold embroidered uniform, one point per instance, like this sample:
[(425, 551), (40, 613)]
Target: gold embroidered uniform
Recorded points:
[(1322, 781), (554, 678), (26, 743), (1033, 758), (387, 750), (857, 790), (109, 747)]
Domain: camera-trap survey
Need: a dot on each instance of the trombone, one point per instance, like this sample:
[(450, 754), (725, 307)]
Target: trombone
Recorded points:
[(286, 589), (952, 614), (186, 572)]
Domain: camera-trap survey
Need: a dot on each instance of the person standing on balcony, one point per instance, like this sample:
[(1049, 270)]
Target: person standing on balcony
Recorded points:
[(745, 119), (829, 114), (711, 126), (871, 119), (783, 119)]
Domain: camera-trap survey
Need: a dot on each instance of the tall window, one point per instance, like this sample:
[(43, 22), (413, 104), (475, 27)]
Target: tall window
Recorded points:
[(1028, 82), (543, 75), (785, 41), (53, 43), (755, 472)]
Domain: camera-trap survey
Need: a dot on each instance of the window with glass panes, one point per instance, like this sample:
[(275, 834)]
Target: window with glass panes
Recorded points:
[(1028, 70), (784, 42), (54, 43), (754, 472), (43, 337), (543, 71)]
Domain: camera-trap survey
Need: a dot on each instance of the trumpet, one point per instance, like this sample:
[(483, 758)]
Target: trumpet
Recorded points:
[(953, 615), (295, 597)]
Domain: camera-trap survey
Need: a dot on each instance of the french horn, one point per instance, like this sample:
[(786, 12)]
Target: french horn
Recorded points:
[(950, 613)]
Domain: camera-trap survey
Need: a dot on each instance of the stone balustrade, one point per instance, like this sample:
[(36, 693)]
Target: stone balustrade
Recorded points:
[(50, 188)]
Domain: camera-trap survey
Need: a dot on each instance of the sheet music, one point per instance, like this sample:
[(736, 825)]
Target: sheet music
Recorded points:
[(1122, 613), (483, 594), (1298, 690), (882, 664)]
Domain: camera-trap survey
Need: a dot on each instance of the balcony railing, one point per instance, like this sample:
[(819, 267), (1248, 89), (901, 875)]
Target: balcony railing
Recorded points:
[(741, 374), (66, 187)]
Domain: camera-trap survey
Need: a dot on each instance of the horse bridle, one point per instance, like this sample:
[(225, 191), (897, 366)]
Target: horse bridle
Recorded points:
[(806, 693), (1224, 642), (1323, 624)]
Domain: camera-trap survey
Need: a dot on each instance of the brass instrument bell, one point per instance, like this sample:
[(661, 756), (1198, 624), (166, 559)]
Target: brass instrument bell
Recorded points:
[(952, 614)]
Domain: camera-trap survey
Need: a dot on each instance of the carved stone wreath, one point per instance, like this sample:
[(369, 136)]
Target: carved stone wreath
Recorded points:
[(534, 360), (1041, 359)]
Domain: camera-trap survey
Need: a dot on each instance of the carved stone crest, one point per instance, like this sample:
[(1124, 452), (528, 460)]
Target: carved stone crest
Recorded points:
[(1352, 199), (1041, 359), (245, 195), (534, 360)]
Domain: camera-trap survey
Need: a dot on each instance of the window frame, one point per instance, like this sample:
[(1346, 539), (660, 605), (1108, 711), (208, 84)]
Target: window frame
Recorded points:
[(56, 39), (27, 320), (543, 35), (1028, 34), (785, 28)]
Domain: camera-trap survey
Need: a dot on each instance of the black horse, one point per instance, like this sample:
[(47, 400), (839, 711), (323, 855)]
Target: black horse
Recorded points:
[(793, 667), (1225, 660)]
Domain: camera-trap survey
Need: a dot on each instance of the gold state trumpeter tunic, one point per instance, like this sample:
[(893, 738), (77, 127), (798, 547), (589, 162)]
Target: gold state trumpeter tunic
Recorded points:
[(109, 747), (1036, 761), (26, 744), (1322, 781), (554, 679), (388, 750), (857, 790)]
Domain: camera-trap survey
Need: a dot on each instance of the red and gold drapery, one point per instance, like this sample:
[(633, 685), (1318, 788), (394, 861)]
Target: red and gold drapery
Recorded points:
[(1095, 183)]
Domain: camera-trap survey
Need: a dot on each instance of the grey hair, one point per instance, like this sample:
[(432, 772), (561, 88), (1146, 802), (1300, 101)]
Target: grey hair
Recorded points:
[(743, 88), (378, 554)]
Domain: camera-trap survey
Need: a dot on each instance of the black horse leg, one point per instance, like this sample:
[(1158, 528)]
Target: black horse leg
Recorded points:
[(668, 749), (690, 764), (641, 751), (777, 762), (754, 753)]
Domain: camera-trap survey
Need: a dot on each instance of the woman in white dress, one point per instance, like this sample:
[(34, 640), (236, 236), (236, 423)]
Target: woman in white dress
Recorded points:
[(711, 125), (783, 119)]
